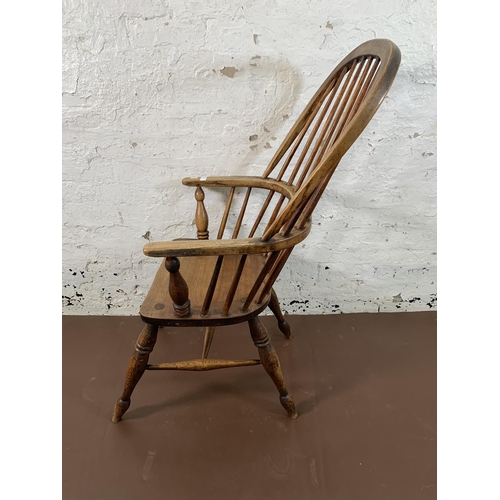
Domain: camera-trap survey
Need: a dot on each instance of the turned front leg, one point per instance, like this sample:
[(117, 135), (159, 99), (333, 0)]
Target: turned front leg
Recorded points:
[(136, 367), (271, 363)]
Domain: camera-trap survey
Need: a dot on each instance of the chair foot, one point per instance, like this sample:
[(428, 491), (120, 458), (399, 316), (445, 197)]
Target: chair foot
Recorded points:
[(136, 367), (283, 325), (271, 364), (285, 329), (289, 405), (120, 408)]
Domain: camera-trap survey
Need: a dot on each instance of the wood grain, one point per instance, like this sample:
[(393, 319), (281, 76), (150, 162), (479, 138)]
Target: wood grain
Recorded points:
[(136, 367), (271, 364), (177, 288), (207, 342), (200, 365), (184, 248), (158, 309), (201, 217)]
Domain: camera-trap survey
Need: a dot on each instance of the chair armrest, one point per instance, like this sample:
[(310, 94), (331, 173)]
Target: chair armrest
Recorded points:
[(241, 246), (242, 181)]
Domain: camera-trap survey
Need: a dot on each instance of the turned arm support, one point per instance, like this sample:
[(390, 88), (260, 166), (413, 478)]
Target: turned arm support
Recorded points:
[(201, 217), (233, 182), (241, 246), (177, 288)]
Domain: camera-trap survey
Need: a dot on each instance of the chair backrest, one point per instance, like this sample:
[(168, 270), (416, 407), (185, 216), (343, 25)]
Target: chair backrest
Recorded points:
[(305, 161), (331, 122)]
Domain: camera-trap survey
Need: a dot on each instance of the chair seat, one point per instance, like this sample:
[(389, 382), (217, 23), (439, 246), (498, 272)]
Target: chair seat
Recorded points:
[(157, 308)]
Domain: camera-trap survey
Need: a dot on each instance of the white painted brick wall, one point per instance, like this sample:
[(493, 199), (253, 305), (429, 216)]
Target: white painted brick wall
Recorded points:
[(154, 91)]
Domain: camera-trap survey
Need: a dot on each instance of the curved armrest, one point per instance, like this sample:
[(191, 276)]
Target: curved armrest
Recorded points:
[(241, 246), (242, 181)]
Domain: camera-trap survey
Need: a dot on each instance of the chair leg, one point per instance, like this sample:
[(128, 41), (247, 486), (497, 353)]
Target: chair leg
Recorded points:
[(209, 336), (274, 305), (136, 367), (271, 363)]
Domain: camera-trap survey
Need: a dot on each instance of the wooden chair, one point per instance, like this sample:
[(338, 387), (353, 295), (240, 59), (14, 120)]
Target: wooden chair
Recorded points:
[(230, 280)]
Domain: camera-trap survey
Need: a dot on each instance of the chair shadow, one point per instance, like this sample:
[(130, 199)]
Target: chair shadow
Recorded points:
[(206, 392)]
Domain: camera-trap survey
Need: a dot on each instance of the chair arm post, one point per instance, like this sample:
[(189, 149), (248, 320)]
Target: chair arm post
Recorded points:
[(177, 288), (201, 214)]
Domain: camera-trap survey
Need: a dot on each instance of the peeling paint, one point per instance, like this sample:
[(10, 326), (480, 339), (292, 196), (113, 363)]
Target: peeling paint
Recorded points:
[(146, 103), (229, 71)]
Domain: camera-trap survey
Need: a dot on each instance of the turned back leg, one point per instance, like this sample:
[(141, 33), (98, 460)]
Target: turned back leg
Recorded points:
[(271, 363), (209, 336), (136, 367), (283, 325)]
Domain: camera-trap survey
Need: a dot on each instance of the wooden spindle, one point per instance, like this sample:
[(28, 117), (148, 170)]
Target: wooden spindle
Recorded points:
[(373, 66), (327, 127), (275, 212), (302, 134), (313, 200), (295, 147), (274, 273), (242, 214), (305, 118), (234, 285), (344, 109), (199, 365), (177, 288), (207, 342), (215, 275), (355, 95), (260, 278), (222, 227), (201, 214), (261, 214), (211, 287), (316, 127), (361, 80), (288, 226)]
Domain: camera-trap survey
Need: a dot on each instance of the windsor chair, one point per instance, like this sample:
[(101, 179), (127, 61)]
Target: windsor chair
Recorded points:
[(211, 283)]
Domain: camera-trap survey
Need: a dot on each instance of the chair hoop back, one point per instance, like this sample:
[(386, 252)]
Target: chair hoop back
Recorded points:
[(331, 122)]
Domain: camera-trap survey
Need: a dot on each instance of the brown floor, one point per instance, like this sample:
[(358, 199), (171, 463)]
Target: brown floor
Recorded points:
[(364, 385)]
